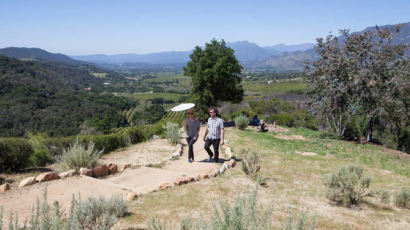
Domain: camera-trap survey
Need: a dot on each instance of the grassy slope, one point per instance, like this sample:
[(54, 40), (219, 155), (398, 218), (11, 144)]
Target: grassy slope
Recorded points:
[(294, 182)]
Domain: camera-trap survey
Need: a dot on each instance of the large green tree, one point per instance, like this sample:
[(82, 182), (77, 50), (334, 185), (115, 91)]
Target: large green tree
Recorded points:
[(361, 74), (215, 73)]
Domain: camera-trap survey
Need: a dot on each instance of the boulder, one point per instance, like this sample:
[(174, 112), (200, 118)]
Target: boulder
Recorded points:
[(85, 172), (184, 180), (101, 170), (132, 196), (28, 181), (214, 173), (5, 187), (47, 176), (223, 168), (125, 166), (112, 168), (230, 163), (166, 185), (203, 176), (69, 173)]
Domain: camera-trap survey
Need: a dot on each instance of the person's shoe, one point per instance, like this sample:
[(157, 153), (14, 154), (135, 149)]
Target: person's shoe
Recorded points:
[(190, 161), (210, 159)]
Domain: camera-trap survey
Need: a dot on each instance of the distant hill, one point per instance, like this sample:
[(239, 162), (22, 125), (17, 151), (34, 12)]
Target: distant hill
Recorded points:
[(290, 48), (36, 53), (245, 51), (52, 97), (172, 57)]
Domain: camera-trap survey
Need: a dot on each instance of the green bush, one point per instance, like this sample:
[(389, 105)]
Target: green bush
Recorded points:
[(347, 185), (251, 163), (402, 199), (78, 155), (173, 132), (15, 154), (40, 156), (153, 129), (241, 122)]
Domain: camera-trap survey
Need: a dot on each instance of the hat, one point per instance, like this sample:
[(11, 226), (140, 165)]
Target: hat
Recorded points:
[(262, 121)]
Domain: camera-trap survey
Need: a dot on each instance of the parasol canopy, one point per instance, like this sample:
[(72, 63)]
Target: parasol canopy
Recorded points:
[(183, 107)]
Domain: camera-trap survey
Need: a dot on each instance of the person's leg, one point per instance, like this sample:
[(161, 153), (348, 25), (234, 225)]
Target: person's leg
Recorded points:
[(188, 141), (191, 148), (215, 143), (207, 144)]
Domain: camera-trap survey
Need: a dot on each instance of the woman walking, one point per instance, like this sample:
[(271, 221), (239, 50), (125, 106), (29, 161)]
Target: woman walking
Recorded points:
[(192, 132)]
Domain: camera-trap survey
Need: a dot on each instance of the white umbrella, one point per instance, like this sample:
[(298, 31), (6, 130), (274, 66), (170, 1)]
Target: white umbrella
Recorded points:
[(183, 107)]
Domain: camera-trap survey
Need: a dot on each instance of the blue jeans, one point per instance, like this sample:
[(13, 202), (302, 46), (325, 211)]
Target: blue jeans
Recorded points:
[(215, 143), (190, 141)]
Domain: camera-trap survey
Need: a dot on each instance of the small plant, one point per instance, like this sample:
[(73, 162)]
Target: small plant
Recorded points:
[(241, 122), (173, 132), (402, 199), (347, 185), (251, 163), (77, 156)]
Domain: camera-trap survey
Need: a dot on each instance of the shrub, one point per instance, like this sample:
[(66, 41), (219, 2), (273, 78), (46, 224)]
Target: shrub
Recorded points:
[(241, 122), (40, 157), (78, 155), (347, 185), (94, 213), (14, 154), (402, 199), (173, 132), (251, 163)]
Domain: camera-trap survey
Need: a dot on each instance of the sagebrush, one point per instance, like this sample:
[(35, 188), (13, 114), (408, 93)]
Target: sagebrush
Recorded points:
[(94, 213), (251, 163), (78, 155), (347, 185), (173, 132), (241, 122), (402, 199)]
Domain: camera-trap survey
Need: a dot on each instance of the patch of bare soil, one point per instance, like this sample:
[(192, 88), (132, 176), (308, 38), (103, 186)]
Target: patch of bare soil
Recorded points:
[(276, 128), (290, 137), (151, 152)]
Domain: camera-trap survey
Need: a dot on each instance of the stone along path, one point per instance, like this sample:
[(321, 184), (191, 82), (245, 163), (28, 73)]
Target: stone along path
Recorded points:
[(141, 179)]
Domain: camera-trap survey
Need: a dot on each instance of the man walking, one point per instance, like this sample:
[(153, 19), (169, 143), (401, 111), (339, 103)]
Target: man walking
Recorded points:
[(214, 134)]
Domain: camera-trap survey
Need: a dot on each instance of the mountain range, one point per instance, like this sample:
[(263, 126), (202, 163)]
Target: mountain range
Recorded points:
[(278, 57)]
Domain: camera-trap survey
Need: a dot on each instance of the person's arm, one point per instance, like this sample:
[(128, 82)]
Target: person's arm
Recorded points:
[(222, 136), (206, 133), (197, 131)]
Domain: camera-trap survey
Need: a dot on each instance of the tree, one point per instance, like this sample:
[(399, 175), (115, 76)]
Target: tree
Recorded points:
[(360, 74), (215, 73)]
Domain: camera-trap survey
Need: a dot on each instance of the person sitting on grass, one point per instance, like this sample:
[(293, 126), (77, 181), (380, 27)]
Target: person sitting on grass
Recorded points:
[(262, 127), (255, 121)]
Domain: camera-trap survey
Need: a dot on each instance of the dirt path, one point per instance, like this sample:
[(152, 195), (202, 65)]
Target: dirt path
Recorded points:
[(140, 179)]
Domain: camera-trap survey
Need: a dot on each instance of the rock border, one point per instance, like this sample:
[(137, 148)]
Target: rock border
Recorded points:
[(185, 180)]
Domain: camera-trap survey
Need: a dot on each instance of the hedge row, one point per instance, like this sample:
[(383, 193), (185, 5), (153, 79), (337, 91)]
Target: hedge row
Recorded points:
[(17, 153)]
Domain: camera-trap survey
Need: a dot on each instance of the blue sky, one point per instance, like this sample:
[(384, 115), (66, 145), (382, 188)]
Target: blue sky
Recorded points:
[(80, 27)]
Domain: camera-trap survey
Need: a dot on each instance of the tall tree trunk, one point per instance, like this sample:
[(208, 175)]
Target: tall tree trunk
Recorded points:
[(369, 129)]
